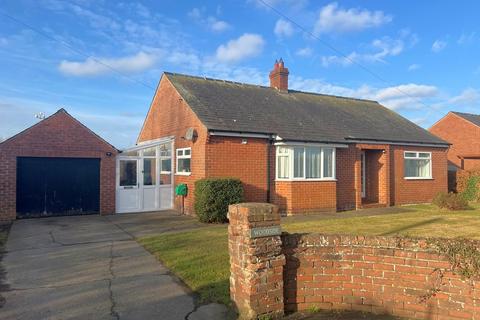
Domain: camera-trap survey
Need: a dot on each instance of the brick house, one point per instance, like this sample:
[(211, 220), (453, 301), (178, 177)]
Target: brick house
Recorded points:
[(305, 152), (56, 167), (462, 130)]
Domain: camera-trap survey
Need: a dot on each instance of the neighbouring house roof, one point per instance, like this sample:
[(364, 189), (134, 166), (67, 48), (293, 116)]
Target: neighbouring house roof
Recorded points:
[(473, 118), (294, 116)]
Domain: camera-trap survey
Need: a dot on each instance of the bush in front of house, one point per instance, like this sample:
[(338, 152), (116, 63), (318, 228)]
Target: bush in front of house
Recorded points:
[(450, 201), (214, 195), (471, 189), (468, 183)]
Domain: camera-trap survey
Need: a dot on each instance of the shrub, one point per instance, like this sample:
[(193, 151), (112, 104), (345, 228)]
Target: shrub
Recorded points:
[(213, 195), (450, 201), (471, 188)]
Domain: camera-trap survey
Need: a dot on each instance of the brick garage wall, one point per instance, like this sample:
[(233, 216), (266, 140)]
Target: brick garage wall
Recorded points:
[(169, 115), (57, 136), (462, 134), (228, 157), (405, 191), (374, 274)]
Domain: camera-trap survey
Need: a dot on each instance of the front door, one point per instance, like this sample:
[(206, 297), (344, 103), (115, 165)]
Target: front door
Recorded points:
[(363, 174), (128, 185)]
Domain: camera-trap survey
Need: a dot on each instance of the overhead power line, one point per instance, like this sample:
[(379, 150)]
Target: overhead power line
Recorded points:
[(72, 48), (343, 55)]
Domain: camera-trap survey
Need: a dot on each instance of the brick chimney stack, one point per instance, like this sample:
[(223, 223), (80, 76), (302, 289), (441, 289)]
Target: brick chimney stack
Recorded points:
[(279, 76)]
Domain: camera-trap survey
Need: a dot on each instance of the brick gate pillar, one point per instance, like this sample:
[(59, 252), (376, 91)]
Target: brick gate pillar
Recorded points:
[(256, 260)]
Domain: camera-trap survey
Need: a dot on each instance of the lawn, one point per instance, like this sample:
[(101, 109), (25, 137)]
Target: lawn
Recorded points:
[(200, 257)]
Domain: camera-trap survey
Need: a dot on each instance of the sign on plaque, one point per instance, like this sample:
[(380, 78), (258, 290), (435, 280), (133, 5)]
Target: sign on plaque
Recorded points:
[(265, 232)]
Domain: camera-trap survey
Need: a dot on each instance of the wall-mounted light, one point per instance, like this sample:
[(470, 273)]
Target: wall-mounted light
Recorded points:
[(244, 141), (108, 154)]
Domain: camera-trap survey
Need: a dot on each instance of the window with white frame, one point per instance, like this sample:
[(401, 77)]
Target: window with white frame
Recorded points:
[(184, 157), (305, 163), (165, 158), (418, 165)]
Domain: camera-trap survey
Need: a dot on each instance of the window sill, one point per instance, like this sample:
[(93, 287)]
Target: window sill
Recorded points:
[(306, 180), (183, 173), (416, 178)]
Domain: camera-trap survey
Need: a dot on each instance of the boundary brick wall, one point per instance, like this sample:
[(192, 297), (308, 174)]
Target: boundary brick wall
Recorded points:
[(374, 274), (60, 135), (398, 276)]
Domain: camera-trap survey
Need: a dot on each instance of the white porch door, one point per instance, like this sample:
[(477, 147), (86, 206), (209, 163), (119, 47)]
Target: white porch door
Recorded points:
[(144, 179), (128, 185)]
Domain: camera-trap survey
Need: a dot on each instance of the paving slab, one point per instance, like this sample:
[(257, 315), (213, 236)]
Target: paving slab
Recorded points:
[(91, 267)]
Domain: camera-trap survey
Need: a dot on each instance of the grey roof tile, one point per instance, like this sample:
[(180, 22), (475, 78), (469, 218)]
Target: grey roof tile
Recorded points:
[(299, 116)]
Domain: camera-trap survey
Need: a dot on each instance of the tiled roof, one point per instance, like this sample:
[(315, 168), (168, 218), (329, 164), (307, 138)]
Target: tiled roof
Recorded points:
[(294, 115)]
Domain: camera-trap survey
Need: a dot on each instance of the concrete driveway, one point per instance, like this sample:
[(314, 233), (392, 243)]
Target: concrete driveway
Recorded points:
[(91, 267)]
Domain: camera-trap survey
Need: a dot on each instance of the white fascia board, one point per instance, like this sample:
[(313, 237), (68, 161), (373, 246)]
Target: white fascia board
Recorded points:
[(313, 144), (240, 134)]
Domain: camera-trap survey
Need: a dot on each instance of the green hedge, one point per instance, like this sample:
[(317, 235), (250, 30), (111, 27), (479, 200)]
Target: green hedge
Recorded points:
[(213, 195)]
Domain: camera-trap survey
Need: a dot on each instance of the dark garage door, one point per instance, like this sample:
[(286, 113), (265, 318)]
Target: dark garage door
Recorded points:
[(57, 186)]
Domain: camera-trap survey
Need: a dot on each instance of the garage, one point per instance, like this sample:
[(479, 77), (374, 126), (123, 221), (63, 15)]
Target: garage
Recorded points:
[(57, 167), (57, 186)]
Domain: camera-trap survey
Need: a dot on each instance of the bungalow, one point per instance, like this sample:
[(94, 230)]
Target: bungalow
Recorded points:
[(305, 152)]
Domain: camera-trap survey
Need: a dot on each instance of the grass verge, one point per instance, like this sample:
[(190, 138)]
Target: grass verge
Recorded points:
[(200, 257)]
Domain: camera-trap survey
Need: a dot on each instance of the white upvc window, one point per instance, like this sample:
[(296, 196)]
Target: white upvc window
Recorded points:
[(305, 163), (166, 158), (184, 156), (418, 165)]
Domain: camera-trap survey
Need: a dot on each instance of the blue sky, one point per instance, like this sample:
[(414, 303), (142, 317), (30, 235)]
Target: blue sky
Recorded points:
[(418, 58)]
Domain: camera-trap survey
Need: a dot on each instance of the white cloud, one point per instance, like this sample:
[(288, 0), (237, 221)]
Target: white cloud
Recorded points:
[(283, 29), (246, 46), (210, 22), (338, 20), (405, 96), (405, 90), (218, 25), (97, 66), (438, 45), (469, 97), (413, 67), (466, 38), (384, 47), (304, 52)]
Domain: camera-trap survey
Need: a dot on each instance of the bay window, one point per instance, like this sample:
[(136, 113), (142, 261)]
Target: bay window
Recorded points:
[(305, 163), (418, 165)]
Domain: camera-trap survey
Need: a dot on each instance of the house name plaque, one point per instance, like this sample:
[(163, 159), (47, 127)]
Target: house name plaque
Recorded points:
[(265, 232)]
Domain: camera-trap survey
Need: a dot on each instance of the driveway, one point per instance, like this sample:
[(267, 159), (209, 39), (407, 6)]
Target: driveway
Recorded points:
[(91, 267)]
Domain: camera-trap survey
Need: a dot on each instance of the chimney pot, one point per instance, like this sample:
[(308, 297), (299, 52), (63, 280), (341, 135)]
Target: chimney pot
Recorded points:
[(279, 76)]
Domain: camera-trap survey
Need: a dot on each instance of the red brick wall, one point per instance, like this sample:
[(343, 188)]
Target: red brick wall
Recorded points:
[(346, 188), (471, 164), (295, 197), (420, 190), (374, 274), (462, 134), (57, 136), (169, 115), (228, 157)]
